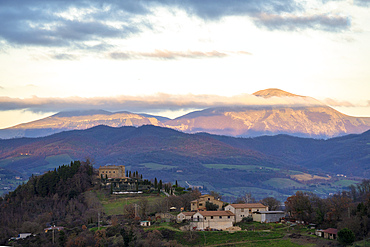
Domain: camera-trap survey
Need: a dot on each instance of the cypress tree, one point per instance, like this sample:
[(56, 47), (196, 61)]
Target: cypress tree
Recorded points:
[(160, 184)]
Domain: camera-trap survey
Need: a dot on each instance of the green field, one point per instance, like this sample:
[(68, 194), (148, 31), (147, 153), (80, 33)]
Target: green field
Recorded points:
[(114, 204), (240, 167), (345, 182), (217, 238), (283, 183), (256, 192), (57, 160), (8, 161)]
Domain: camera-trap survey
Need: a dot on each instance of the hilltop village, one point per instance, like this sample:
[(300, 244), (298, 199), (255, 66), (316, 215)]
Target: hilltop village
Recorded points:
[(77, 205)]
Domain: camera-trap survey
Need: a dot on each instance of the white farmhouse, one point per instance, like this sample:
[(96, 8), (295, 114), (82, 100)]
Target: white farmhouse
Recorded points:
[(245, 209), (219, 220)]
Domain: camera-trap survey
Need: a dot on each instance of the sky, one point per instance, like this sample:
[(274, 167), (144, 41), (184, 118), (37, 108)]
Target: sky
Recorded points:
[(169, 57)]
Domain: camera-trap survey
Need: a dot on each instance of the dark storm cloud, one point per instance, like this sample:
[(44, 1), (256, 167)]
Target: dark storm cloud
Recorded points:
[(39, 23)]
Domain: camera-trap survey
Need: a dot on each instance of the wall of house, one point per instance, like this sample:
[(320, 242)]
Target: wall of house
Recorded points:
[(240, 213), (201, 203), (112, 171), (215, 223)]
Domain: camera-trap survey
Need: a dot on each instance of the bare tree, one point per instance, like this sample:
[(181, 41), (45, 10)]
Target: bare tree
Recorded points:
[(272, 203)]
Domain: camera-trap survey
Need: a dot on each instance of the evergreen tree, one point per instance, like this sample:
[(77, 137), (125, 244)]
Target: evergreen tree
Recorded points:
[(160, 184), (346, 236), (155, 183)]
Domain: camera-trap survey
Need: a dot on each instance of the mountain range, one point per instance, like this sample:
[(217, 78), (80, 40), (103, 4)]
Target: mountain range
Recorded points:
[(282, 113), (267, 166)]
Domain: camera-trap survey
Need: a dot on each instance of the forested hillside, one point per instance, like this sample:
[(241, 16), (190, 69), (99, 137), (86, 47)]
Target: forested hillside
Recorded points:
[(58, 197)]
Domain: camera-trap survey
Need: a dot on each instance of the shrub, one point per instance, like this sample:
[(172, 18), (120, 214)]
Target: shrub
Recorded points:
[(346, 236)]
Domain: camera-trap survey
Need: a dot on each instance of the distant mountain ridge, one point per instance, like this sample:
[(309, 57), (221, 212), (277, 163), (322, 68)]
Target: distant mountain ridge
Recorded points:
[(289, 114), (221, 163)]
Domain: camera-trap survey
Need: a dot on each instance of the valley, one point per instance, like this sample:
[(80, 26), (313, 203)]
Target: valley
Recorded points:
[(264, 166)]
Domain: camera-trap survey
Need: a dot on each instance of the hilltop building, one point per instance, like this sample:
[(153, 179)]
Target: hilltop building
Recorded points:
[(200, 204), (112, 172)]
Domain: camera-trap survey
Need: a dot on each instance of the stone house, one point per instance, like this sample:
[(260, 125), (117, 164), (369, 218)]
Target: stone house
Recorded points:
[(245, 209), (330, 233), (184, 216), (220, 220), (200, 204), (112, 172)]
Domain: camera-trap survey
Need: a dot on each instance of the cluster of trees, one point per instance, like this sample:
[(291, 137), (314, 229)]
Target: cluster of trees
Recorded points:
[(58, 197), (134, 174), (121, 233), (347, 209)]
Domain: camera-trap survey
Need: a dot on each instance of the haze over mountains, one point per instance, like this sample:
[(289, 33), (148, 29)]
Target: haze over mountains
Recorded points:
[(287, 114)]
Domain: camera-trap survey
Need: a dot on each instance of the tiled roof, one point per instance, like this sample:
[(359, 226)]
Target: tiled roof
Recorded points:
[(331, 231), (205, 195), (216, 213), (188, 213), (270, 212), (248, 205)]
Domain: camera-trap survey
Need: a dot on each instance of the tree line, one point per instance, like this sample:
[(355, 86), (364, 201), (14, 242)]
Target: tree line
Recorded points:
[(346, 209), (56, 197)]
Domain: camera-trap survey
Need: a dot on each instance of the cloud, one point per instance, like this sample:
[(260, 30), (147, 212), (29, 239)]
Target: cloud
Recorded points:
[(168, 55), (362, 3), (334, 102), (57, 23), (64, 56), (297, 22), (342, 103), (149, 102), (53, 23)]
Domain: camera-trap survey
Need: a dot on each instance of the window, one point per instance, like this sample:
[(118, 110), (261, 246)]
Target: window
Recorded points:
[(209, 199), (228, 217), (242, 210), (114, 171), (109, 171), (200, 204), (211, 217), (220, 217)]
